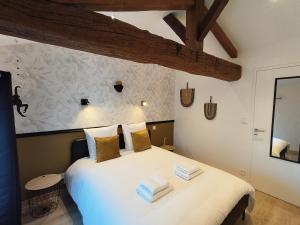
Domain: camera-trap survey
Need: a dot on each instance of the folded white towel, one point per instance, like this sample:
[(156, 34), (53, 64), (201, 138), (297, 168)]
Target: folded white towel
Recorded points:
[(187, 176), (154, 184), (152, 198), (187, 168)]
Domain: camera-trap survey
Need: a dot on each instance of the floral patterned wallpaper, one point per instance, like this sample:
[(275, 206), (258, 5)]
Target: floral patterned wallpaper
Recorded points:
[(54, 79)]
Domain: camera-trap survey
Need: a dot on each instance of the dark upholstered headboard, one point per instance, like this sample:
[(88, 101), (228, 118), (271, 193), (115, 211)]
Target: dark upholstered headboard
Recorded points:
[(79, 148)]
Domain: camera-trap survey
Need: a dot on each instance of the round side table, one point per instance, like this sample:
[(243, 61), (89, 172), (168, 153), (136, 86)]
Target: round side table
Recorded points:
[(43, 194)]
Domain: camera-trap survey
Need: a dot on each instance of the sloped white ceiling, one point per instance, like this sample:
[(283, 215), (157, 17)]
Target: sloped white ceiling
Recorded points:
[(255, 24), (251, 24)]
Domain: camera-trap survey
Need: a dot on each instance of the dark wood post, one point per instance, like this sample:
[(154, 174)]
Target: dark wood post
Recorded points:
[(10, 201)]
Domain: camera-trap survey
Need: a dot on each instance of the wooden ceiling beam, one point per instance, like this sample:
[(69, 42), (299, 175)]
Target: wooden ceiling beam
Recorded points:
[(176, 26), (51, 23), (210, 18), (129, 5), (194, 17), (224, 40), (145, 5), (216, 29)]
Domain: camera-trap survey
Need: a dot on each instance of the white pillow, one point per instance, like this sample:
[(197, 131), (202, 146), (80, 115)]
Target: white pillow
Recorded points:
[(91, 134), (130, 128)]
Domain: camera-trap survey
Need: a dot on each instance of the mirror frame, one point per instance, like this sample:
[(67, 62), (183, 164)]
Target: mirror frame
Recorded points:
[(273, 118)]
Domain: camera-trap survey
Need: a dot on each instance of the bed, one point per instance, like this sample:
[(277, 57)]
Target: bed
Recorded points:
[(105, 192), (279, 147)]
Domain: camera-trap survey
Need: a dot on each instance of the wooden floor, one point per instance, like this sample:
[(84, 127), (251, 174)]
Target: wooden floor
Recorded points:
[(292, 155), (268, 211), (65, 214), (271, 211)]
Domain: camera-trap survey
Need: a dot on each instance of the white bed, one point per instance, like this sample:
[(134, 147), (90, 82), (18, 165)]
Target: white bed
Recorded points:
[(278, 146), (105, 193)]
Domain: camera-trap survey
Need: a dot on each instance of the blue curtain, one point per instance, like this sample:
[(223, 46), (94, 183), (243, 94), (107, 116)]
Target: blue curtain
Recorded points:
[(10, 201)]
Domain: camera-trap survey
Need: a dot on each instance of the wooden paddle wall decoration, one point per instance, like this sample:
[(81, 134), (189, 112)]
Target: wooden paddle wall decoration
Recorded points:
[(187, 96), (210, 110)]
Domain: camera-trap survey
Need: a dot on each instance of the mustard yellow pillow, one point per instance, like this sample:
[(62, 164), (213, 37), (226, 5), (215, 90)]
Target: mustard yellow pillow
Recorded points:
[(107, 148), (141, 140)]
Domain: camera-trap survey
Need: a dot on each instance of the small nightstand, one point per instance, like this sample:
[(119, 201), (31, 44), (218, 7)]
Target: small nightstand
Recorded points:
[(170, 148), (43, 194)]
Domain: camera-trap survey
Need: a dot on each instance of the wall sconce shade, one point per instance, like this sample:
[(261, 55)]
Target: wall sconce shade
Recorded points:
[(85, 102), (119, 86), (143, 103)]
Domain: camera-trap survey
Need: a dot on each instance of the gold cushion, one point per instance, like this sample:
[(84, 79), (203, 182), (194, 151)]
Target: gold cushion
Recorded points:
[(141, 140), (107, 148)]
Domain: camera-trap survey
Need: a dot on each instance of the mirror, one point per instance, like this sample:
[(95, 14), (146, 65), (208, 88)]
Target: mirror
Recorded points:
[(285, 139)]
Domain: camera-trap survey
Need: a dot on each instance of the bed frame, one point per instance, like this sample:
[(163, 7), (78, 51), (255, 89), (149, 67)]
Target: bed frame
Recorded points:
[(80, 150), (283, 152), (239, 211)]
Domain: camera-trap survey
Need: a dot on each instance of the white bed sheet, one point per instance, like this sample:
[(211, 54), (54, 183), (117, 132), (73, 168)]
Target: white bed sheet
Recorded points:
[(278, 146), (105, 193), (125, 152)]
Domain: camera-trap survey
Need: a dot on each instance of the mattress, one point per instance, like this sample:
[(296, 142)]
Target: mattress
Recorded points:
[(278, 146), (105, 192)]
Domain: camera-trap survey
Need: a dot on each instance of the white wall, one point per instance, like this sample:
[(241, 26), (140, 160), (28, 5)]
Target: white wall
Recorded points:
[(54, 79), (223, 142), (226, 142)]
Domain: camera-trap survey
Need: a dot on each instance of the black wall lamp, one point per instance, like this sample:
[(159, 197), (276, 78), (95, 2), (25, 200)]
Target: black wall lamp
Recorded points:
[(144, 103), (85, 102), (119, 86)]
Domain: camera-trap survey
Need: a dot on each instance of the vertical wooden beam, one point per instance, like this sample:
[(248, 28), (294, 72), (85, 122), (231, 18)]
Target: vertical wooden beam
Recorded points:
[(216, 29), (194, 17), (10, 204)]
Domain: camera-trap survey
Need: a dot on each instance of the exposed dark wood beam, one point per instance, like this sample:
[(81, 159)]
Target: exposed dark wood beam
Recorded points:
[(216, 29), (129, 5), (224, 40), (176, 26), (50, 23), (140, 5), (194, 17), (210, 18)]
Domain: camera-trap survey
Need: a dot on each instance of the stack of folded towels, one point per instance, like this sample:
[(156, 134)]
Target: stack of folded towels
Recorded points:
[(153, 188), (187, 172)]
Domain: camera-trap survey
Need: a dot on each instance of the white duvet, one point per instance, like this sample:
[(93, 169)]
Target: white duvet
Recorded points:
[(278, 146), (105, 193)]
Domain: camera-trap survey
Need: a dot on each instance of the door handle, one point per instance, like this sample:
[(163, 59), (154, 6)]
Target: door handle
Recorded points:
[(259, 130)]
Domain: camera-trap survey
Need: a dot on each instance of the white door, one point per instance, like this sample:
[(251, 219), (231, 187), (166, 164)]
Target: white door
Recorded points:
[(270, 175)]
